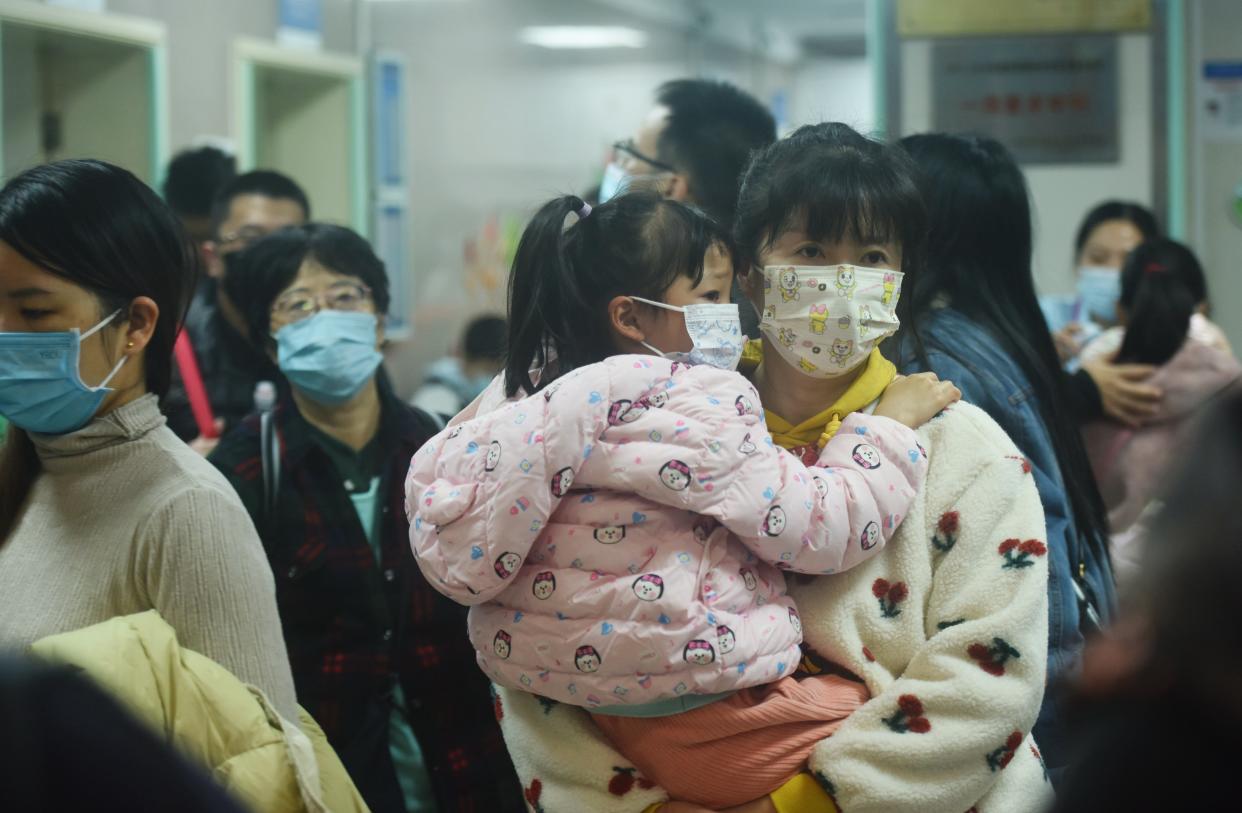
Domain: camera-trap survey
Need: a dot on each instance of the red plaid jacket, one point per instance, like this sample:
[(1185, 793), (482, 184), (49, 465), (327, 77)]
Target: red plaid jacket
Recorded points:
[(352, 627)]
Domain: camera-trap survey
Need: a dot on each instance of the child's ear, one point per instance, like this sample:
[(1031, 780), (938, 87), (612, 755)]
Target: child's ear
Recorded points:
[(623, 319)]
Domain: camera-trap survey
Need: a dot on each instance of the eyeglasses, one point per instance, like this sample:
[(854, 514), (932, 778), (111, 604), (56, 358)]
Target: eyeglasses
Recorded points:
[(343, 296), (631, 149), (244, 236)]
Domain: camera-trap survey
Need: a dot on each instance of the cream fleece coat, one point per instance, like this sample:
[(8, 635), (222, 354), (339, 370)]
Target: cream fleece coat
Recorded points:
[(947, 626)]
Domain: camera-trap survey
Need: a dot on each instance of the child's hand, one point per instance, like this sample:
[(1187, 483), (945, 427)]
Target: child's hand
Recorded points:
[(916, 399)]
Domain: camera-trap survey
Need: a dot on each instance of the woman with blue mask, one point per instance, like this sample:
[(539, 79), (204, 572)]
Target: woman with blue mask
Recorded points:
[(1106, 236), (103, 511), (378, 656)]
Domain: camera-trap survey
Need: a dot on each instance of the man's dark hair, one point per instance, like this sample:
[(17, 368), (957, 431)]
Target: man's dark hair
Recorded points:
[(194, 179), (265, 182), (713, 129), (485, 339)]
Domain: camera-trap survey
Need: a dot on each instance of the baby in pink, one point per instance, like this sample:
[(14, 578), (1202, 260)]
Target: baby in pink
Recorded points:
[(621, 535)]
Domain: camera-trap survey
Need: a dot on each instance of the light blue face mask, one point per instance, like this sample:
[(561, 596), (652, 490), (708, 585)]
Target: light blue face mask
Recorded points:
[(331, 355), (714, 330), (41, 387), (1099, 288), (614, 182)]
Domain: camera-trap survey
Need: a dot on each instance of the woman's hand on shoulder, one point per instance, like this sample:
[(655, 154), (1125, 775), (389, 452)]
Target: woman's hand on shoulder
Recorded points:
[(915, 399)]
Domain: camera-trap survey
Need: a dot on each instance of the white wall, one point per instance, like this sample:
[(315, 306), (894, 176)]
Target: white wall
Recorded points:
[(199, 46), (1062, 194), (496, 128), (839, 89), (1215, 169)]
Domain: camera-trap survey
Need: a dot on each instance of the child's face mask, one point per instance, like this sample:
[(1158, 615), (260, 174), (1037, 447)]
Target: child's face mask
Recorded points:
[(825, 320), (715, 330)]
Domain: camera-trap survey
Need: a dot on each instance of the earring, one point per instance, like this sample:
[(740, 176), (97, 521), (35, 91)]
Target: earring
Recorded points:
[(130, 345)]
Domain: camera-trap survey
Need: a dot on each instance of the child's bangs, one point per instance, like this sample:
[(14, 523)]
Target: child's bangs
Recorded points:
[(846, 204)]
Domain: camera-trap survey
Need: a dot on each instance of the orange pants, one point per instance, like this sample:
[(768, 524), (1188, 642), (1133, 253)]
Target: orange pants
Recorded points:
[(738, 749)]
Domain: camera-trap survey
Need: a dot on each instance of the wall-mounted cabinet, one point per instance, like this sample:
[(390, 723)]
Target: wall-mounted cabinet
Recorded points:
[(77, 84), (304, 114)]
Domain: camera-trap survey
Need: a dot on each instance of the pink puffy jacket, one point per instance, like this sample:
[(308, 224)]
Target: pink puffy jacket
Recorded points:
[(621, 534)]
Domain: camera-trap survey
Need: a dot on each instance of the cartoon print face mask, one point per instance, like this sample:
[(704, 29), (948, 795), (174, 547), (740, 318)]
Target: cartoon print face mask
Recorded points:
[(825, 320)]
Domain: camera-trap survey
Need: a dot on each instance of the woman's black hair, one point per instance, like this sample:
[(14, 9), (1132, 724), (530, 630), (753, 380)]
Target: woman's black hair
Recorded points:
[(1162, 284), (1134, 213), (99, 227), (979, 261), (835, 183), (637, 244), (259, 273)]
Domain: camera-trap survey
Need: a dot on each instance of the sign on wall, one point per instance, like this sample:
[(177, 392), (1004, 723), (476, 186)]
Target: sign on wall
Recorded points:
[(1220, 93), (1050, 100), (958, 18)]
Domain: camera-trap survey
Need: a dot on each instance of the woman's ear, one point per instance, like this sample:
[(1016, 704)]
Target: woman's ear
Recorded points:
[(623, 319), (141, 320)]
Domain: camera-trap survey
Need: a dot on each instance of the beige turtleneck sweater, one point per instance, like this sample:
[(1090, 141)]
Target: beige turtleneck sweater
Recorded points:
[(125, 518)]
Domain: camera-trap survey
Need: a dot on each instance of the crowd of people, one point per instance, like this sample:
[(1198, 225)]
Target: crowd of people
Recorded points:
[(778, 488)]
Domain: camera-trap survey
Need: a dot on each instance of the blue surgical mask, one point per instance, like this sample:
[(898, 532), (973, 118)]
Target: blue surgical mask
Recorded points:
[(1099, 288), (614, 182), (331, 355), (41, 387), (715, 330)]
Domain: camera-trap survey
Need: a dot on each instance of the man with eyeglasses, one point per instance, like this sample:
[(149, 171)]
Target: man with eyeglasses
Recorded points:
[(251, 206), (693, 146)]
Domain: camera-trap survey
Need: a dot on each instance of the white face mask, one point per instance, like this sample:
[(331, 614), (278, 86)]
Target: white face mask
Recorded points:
[(616, 181), (825, 320), (716, 331)]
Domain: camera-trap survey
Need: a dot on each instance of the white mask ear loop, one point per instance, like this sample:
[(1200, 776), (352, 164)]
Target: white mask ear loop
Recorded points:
[(673, 308), (119, 364)]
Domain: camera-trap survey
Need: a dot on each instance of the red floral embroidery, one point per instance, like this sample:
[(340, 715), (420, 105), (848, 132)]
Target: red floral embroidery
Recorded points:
[(1001, 757), (909, 716), (992, 659), (946, 531), (1021, 554), (809, 454), (1026, 464), (500, 709), (890, 595), (867, 654), (532, 795), (624, 779)]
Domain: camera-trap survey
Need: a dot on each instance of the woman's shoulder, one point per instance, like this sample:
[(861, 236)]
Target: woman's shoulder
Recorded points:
[(178, 474), (964, 435)]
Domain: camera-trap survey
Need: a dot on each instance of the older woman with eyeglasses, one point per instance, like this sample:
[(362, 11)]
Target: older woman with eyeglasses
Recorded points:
[(379, 657)]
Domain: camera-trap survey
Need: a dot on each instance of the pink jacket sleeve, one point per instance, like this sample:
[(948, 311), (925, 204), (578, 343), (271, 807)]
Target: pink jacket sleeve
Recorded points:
[(479, 493), (699, 442)]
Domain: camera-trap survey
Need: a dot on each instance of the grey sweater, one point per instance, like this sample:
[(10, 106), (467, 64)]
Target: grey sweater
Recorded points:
[(124, 518)]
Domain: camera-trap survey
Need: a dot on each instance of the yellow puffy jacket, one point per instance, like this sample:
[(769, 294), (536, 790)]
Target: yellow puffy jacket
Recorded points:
[(210, 716)]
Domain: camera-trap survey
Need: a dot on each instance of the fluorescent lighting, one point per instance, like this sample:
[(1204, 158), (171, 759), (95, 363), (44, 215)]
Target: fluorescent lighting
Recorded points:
[(583, 36)]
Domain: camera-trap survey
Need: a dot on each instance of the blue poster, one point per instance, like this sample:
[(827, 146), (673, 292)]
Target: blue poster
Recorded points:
[(300, 22), (388, 123)]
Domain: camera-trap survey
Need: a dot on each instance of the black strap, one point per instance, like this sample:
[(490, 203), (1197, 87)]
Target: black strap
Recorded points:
[(269, 454)]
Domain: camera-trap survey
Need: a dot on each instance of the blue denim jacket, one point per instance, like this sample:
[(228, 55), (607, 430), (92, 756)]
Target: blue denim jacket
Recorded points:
[(992, 381)]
